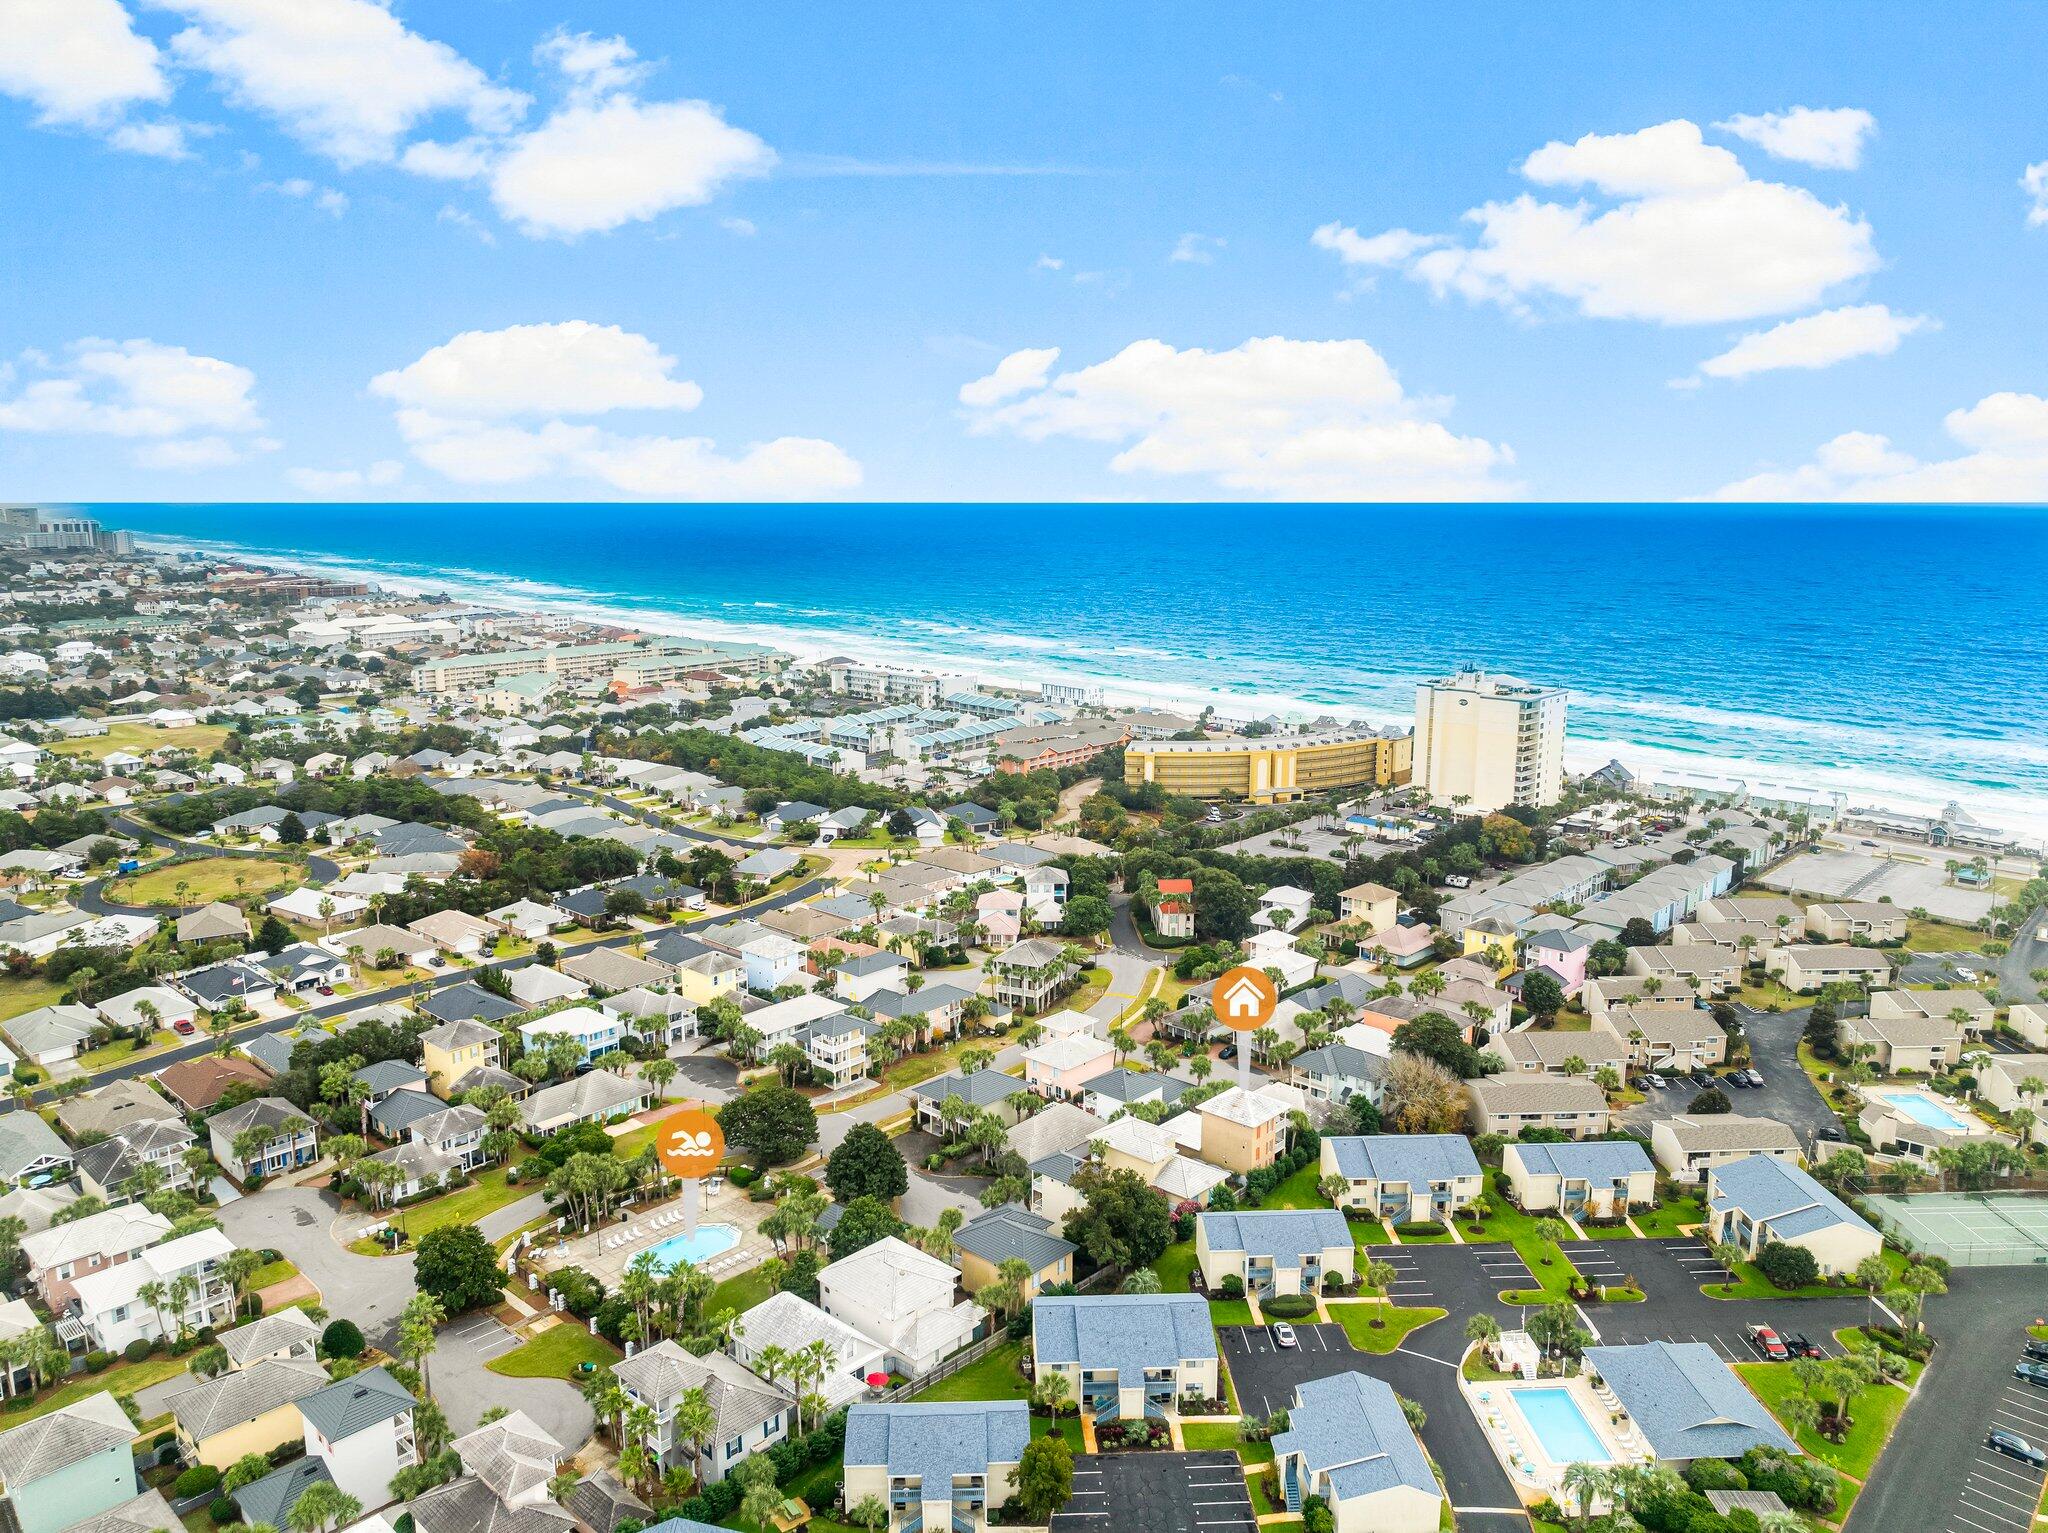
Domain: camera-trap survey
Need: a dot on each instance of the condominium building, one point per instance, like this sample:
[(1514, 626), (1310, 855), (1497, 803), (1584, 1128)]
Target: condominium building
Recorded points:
[(1489, 740), (644, 663), (881, 684), (1271, 769)]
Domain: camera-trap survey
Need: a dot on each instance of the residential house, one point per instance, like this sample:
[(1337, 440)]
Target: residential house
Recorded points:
[(528, 919), (1274, 949), (902, 1300), (1509, 1103), (1899, 1044), (1663, 1037), (114, 1109), (1242, 1131), (467, 1002), (749, 1414), (1856, 921), (1117, 1091), (237, 981), (1173, 911), (361, 1427), (246, 1410), (110, 1169), (289, 1138), (792, 1323), (113, 1311), (1404, 1178), (1339, 1071), (1373, 906), (2029, 1019), (667, 1017), (1275, 1251), (1009, 1232), (1685, 1401), (302, 967), (987, 1090), (196, 1084), (856, 978), (1761, 1200), (2012, 1082), (286, 1335), (50, 1035), (1029, 975), (534, 985), (1689, 968), (69, 1466), (1283, 907), (1689, 1147), (608, 970), (1059, 1067), (1127, 1356), (1597, 1179), (1805, 967), (213, 923), (510, 1464), (1536, 1052), (451, 1051), (31, 1154), (1349, 1443), (938, 1465), (594, 1033), (57, 1255), (597, 1097), (1971, 1010), (167, 1008), (455, 931)]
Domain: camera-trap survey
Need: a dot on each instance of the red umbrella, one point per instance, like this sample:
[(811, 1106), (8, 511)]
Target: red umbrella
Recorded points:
[(877, 1379)]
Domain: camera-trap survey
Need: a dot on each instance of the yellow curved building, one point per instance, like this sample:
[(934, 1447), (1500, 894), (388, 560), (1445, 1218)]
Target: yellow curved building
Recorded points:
[(1273, 769)]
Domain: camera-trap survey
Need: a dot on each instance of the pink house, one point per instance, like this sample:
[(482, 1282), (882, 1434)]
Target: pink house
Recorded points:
[(63, 1253), (1058, 1067), (1564, 954), (1001, 914), (1407, 946)]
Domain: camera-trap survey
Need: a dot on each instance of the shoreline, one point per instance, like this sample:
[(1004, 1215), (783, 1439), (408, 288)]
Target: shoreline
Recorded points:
[(784, 628)]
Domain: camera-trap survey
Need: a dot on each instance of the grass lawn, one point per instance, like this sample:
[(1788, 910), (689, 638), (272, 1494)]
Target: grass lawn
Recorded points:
[(1855, 1341), (29, 993), (1370, 1232), (1666, 1218), (630, 1144), (210, 878), (1261, 1502), (142, 740), (114, 1053), (1094, 986), (1357, 1321), (740, 1292), (1174, 1265), (1221, 1437), (913, 1068), (995, 1377), (1549, 1265), (121, 1379), (1479, 1371), (1299, 1190), (1940, 937), (1750, 1283), (487, 1193), (1875, 1412), (555, 1353), (274, 1272), (1768, 995), (1229, 1312)]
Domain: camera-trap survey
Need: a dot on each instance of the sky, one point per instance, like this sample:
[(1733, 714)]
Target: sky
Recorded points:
[(429, 250)]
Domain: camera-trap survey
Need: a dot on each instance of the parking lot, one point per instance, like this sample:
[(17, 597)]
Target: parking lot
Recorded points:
[(1158, 1493), (483, 1335)]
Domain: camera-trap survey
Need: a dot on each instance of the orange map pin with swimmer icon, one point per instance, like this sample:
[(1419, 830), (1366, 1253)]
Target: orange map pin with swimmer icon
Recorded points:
[(689, 1144)]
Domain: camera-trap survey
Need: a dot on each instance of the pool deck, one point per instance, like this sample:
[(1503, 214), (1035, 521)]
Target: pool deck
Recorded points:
[(1519, 1447), (596, 1254)]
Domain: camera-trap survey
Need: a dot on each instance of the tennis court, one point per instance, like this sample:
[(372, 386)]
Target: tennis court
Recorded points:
[(1970, 1229)]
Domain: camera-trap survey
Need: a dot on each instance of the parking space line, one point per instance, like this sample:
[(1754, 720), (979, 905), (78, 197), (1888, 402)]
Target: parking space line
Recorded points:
[(2004, 1467), (1993, 1495), (1959, 1517)]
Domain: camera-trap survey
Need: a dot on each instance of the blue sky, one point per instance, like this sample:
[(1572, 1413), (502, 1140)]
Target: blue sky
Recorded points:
[(272, 249)]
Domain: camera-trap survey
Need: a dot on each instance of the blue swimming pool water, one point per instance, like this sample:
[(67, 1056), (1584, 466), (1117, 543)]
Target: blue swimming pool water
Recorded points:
[(1924, 1110), (1561, 1427), (708, 1242)]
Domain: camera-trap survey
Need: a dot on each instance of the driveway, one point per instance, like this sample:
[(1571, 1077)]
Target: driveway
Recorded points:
[(1158, 1493)]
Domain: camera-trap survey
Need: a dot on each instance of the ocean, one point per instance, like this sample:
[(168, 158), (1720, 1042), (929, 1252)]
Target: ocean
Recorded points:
[(1898, 654)]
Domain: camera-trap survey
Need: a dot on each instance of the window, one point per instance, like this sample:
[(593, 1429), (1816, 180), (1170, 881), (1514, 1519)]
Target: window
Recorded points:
[(732, 1449)]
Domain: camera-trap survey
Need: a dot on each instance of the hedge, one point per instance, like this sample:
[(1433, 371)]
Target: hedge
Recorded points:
[(1287, 1306), (196, 1481)]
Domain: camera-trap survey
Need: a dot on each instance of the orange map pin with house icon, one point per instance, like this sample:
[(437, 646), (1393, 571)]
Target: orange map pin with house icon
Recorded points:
[(689, 1144), (1245, 998)]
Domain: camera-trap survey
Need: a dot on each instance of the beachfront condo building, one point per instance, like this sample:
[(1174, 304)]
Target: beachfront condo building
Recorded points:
[(641, 663), (1273, 768), (1489, 741)]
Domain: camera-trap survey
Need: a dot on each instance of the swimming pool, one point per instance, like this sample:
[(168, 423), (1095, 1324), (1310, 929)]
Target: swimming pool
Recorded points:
[(708, 1242), (1925, 1110), (1561, 1427)]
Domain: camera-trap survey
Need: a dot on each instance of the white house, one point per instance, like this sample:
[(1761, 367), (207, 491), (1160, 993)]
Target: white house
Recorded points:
[(114, 1313), (902, 1300), (361, 1428), (590, 1029), (792, 1322), (748, 1413), (1275, 950)]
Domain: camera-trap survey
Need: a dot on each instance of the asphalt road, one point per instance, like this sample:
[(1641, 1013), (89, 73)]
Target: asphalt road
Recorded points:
[(394, 994), (90, 897), (2029, 951)]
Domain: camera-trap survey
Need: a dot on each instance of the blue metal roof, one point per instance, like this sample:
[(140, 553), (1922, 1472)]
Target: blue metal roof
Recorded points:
[(1128, 1332)]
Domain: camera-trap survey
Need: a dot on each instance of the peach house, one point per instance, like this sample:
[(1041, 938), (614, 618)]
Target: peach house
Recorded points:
[(1061, 1065)]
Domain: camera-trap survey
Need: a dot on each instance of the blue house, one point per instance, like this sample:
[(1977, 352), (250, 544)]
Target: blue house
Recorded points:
[(1127, 1356), (70, 1465), (1348, 1442), (941, 1466)]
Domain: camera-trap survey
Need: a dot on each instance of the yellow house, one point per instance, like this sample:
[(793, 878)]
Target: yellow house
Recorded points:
[(452, 1050), (1373, 906), (988, 1240), (251, 1410), (709, 977), (1241, 1131), (1489, 932)]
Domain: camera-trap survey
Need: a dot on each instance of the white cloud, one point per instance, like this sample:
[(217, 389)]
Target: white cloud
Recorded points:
[(345, 77), (1015, 374), (462, 218), (596, 64), (382, 474), (572, 368), (1048, 263), (463, 160), (745, 228), (180, 407), (2035, 184), (489, 408), (1829, 138), (163, 140), (80, 63), (1817, 340), (2006, 437), (1691, 240), (1308, 419), (326, 198), (1392, 248), (1197, 249)]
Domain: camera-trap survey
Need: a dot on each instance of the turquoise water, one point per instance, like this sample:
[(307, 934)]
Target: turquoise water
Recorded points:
[(1895, 654), (1561, 1427), (1923, 1110), (709, 1241)]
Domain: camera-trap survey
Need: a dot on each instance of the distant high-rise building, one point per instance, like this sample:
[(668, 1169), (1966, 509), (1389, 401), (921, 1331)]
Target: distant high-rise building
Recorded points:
[(1489, 740)]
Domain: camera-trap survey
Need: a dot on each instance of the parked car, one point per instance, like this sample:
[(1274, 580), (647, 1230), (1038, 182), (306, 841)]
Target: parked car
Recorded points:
[(183, 1027), (1701, 1079), (2037, 1350), (1736, 1079), (1283, 1334), (327, 990), (1769, 1343), (2012, 1445), (1830, 1131), (2032, 1373), (1755, 1079), (1228, 1051), (1799, 1346)]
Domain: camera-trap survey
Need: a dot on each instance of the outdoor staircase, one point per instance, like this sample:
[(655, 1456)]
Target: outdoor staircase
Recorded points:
[(1293, 1486)]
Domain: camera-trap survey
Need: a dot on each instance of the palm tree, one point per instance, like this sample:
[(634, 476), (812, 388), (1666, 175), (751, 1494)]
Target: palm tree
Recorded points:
[(1584, 1483), (1380, 1275), (1729, 1255), (153, 1293), (416, 1340), (696, 1423), (1485, 1330), (322, 1505)]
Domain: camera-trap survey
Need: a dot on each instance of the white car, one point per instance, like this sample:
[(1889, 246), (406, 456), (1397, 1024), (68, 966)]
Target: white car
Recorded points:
[(1283, 1334)]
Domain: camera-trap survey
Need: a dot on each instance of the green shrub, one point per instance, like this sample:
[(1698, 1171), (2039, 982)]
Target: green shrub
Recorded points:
[(1788, 1266), (98, 1362), (196, 1481), (1418, 1229), (342, 1338), (1232, 1287), (223, 1511), (138, 1349), (1287, 1306)]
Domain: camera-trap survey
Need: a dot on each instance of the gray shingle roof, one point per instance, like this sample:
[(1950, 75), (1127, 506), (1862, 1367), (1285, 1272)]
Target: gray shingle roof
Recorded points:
[(1686, 1400), (1284, 1234), (1592, 1160), (345, 1408), (938, 1440), (1770, 1192), (145, 1514), (62, 1438), (271, 1333), (601, 1503), (1127, 1332), (25, 1139), (1350, 1427), (740, 1398), (513, 1455), (244, 1394)]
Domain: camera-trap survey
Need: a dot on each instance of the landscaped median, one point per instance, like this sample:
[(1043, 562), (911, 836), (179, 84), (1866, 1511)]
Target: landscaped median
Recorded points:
[(1377, 1327), (556, 1353), (1873, 1413)]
